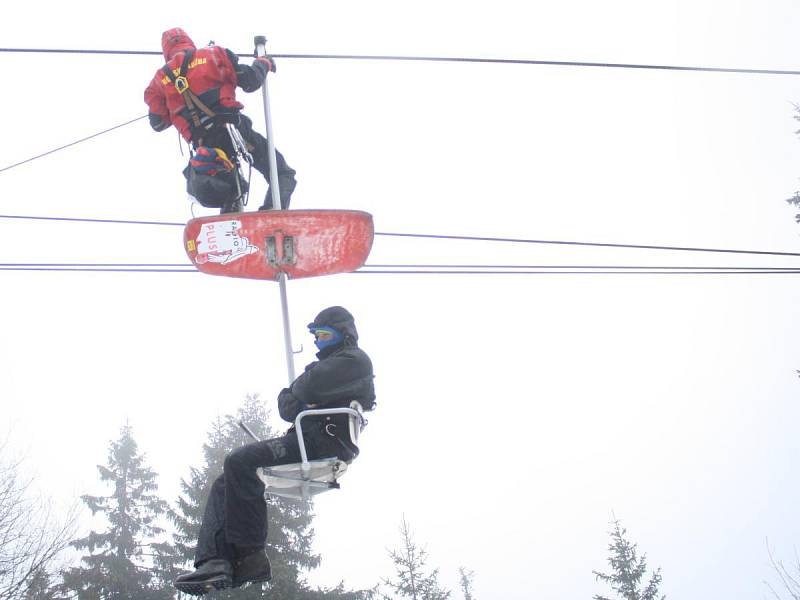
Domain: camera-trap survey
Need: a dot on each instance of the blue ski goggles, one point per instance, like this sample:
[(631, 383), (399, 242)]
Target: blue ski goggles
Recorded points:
[(325, 336)]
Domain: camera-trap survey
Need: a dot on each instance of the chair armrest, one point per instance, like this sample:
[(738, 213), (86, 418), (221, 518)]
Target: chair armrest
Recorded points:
[(305, 467)]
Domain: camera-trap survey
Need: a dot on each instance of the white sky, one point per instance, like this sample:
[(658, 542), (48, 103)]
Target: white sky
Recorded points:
[(515, 412)]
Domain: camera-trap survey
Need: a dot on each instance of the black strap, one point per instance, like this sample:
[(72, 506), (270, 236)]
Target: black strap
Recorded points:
[(189, 97), (350, 449), (187, 58)]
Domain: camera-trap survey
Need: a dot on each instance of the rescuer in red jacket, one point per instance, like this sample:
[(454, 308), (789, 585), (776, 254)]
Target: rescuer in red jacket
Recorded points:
[(212, 75)]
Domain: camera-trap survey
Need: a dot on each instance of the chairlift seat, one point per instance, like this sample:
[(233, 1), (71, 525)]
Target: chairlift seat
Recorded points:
[(311, 477)]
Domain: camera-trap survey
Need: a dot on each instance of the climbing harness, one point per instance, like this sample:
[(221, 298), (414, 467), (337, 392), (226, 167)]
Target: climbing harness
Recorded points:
[(180, 80)]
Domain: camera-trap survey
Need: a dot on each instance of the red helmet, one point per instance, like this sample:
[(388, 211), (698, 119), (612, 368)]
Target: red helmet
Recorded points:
[(174, 41)]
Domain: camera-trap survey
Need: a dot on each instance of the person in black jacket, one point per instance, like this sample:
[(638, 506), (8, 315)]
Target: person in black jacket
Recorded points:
[(230, 547)]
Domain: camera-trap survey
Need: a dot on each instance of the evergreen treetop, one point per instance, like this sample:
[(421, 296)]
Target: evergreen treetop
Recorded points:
[(118, 563), (627, 570), (411, 579)]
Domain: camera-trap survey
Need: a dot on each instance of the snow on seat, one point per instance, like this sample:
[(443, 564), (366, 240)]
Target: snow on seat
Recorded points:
[(310, 477)]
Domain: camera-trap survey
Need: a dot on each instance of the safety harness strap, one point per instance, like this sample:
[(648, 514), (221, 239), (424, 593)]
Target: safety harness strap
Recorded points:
[(181, 84)]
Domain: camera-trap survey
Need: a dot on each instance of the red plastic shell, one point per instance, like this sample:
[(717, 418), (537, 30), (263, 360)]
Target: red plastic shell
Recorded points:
[(261, 245)]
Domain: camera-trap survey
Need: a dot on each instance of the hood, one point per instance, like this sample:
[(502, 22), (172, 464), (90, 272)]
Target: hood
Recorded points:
[(340, 319), (174, 41)]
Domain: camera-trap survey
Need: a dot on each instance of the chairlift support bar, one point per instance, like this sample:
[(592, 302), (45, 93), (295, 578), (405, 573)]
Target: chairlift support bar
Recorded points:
[(260, 50), (249, 431)]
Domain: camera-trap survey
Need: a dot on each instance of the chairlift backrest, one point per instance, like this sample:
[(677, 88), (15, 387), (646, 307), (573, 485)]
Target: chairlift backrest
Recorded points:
[(356, 423), (309, 477)]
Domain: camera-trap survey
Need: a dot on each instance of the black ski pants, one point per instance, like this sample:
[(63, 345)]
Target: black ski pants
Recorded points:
[(235, 518), (257, 145)]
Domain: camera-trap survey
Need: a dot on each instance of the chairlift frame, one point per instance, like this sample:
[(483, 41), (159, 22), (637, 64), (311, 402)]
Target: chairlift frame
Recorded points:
[(301, 481)]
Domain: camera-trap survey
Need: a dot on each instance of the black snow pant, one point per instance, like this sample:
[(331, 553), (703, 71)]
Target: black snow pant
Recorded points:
[(235, 518), (257, 145)]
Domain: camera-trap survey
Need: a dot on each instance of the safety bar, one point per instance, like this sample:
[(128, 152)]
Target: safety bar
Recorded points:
[(304, 466)]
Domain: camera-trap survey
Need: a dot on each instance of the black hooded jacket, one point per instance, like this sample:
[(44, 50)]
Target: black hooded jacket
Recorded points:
[(342, 374)]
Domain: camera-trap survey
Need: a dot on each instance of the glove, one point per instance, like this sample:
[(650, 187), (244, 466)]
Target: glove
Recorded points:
[(268, 62), (157, 122)]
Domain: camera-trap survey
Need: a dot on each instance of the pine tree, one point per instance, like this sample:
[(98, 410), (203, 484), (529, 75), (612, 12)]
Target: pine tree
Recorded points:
[(627, 570), (41, 587), (465, 579), (411, 579), (795, 199), (118, 564)]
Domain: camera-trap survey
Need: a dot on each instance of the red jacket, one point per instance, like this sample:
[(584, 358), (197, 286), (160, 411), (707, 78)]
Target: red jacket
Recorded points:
[(212, 76)]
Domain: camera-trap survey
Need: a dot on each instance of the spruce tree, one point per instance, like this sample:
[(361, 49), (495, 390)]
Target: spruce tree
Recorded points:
[(118, 566), (41, 588), (465, 580), (412, 580), (795, 199), (627, 570)]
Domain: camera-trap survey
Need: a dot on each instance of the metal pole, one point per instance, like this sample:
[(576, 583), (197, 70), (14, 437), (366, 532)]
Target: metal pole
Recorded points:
[(260, 43), (249, 431), (287, 334)]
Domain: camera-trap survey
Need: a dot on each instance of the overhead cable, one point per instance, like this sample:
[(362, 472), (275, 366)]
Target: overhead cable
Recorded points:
[(457, 59), (490, 266), (99, 265), (416, 272), (99, 270), (82, 220), (427, 270), (473, 238), (558, 272), (470, 238), (94, 135), (81, 51)]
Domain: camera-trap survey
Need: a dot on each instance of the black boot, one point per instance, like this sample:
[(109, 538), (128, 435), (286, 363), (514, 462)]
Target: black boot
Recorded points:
[(287, 185), (267, 202), (253, 568), (214, 574)]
